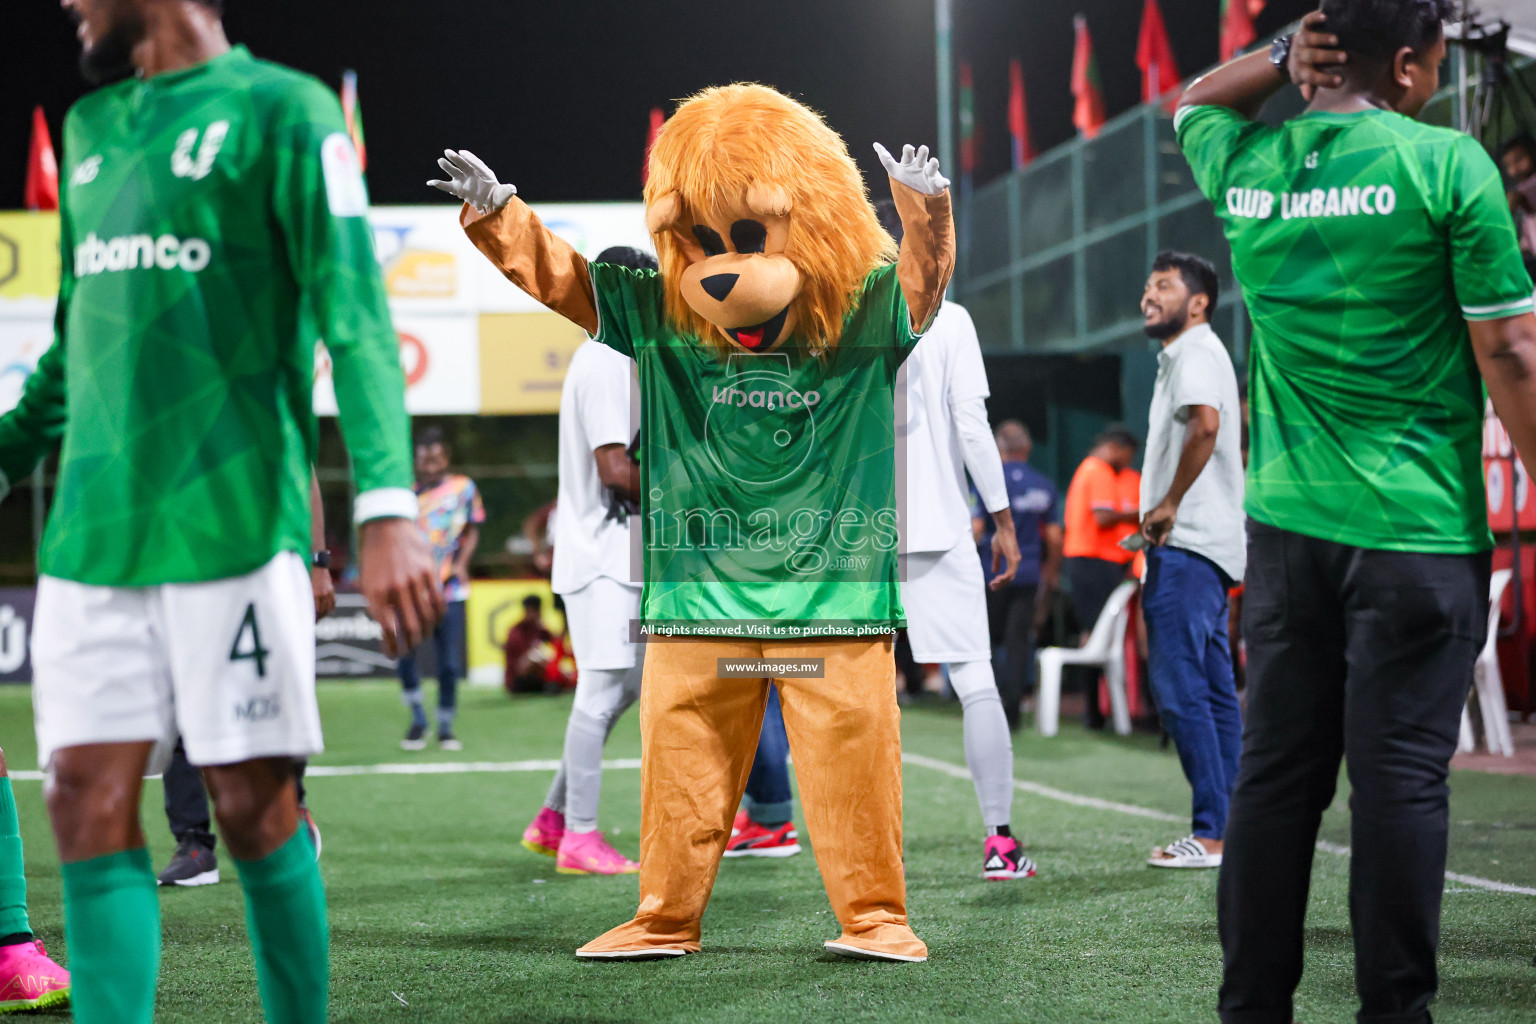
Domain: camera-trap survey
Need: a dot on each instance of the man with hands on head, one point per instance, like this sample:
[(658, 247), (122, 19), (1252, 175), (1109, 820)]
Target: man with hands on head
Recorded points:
[(1378, 259)]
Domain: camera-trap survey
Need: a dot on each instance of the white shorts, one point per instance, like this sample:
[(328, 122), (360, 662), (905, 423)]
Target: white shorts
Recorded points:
[(945, 597), (599, 615), (229, 665)]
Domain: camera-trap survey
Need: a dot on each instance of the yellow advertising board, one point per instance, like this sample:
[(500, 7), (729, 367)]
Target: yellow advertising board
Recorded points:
[(29, 256), (523, 358), (494, 606)]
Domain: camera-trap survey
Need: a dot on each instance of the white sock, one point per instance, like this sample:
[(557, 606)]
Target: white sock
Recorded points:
[(602, 695), (988, 745)]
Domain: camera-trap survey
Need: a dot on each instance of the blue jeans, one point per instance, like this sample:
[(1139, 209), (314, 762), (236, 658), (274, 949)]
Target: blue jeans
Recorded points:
[(769, 799), (448, 641), (1185, 600)]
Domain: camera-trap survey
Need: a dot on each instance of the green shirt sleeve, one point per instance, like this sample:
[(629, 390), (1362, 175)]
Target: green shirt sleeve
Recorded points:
[(882, 303), (31, 430), (321, 204), (1486, 267), (630, 310), (1210, 137)]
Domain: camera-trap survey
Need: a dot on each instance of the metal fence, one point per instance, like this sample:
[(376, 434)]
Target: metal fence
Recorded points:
[(1053, 257)]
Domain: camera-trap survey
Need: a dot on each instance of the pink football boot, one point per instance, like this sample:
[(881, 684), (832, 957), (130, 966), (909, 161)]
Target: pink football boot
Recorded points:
[(29, 980), (544, 832), (588, 853)]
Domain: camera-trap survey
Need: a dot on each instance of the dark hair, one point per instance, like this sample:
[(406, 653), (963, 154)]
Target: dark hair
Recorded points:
[(426, 437), (533, 601), (1117, 433), (1379, 28), (625, 256), (885, 212), (1198, 273), (1521, 141)]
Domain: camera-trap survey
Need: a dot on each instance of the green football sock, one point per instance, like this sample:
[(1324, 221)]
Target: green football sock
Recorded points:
[(285, 911), (112, 921), (13, 876)]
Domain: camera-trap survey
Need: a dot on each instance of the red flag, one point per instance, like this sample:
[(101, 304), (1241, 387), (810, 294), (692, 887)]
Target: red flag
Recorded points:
[(1154, 55), (42, 190), (1018, 117), (658, 118), (353, 115), (1237, 29), (1088, 110)]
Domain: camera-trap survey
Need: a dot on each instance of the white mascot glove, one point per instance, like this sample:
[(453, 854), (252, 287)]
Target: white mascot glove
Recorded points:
[(473, 182), (915, 170)]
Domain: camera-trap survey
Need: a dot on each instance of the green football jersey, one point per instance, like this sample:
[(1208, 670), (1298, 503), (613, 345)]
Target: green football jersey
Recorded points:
[(767, 479), (1362, 243), (212, 224)]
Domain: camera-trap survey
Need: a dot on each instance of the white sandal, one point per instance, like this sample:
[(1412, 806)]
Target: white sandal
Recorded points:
[(1188, 852)]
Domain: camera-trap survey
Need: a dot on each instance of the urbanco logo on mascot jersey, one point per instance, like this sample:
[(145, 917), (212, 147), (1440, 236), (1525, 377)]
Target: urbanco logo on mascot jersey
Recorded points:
[(760, 429)]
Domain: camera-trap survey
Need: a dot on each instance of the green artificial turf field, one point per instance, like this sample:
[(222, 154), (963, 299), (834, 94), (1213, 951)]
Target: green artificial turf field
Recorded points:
[(437, 914)]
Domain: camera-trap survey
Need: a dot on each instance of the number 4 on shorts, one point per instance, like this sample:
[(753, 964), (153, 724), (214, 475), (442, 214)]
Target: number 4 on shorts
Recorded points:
[(255, 651)]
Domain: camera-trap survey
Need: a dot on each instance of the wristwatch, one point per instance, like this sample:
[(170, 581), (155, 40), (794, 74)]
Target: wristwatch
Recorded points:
[(1280, 55), (320, 560)]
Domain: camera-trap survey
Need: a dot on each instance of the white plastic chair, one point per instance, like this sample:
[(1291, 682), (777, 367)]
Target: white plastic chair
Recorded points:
[(1488, 684), (1105, 650)]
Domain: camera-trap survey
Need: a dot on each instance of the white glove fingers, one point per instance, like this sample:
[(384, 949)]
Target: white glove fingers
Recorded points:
[(886, 160), (907, 154), (922, 155), (449, 168), (477, 165), (446, 186), (461, 167)]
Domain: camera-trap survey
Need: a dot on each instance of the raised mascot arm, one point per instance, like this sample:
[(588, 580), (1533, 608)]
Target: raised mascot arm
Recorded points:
[(512, 237), (928, 242)]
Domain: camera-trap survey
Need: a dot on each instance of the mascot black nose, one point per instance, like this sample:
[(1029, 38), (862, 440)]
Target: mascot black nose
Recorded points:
[(718, 286)]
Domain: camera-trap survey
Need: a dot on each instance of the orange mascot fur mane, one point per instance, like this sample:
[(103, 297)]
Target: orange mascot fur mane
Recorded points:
[(746, 140)]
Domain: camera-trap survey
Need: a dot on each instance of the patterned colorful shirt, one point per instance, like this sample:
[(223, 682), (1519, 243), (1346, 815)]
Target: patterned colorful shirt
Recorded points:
[(447, 510)]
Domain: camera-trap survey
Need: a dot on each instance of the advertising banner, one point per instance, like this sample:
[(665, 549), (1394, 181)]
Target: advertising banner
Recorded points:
[(494, 607), (15, 634), (29, 264), (441, 359), (22, 343), (470, 340), (1509, 489), (523, 359)]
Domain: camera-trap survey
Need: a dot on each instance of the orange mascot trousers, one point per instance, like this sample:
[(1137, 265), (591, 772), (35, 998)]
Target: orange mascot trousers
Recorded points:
[(699, 734)]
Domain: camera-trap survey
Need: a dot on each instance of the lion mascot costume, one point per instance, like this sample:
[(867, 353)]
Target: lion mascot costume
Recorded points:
[(767, 347)]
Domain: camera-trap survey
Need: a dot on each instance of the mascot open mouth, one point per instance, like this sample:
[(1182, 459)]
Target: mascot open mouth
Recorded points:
[(762, 335)]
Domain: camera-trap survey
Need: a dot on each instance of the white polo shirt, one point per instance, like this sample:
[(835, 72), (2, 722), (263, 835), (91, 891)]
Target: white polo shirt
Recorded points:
[(1196, 370)]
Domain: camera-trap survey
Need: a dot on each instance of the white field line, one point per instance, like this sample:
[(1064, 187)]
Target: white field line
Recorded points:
[(955, 771), (961, 772)]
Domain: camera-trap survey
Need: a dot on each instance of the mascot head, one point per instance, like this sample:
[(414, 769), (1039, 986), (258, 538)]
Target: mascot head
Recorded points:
[(762, 224)]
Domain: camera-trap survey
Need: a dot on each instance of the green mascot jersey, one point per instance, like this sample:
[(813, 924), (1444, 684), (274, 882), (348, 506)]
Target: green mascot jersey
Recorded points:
[(212, 226), (1363, 242), (768, 480)]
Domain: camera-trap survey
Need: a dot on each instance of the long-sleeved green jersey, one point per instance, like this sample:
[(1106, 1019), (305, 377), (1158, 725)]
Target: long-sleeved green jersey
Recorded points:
[(212, 225)]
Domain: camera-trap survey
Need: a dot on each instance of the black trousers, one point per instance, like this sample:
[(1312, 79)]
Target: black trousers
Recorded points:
[(1365, 655), (186, 798), (1011, 625)]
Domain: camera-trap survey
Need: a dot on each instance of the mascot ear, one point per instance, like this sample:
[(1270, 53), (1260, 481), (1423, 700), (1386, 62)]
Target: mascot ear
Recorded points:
[(769, 201), (665, 213)]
